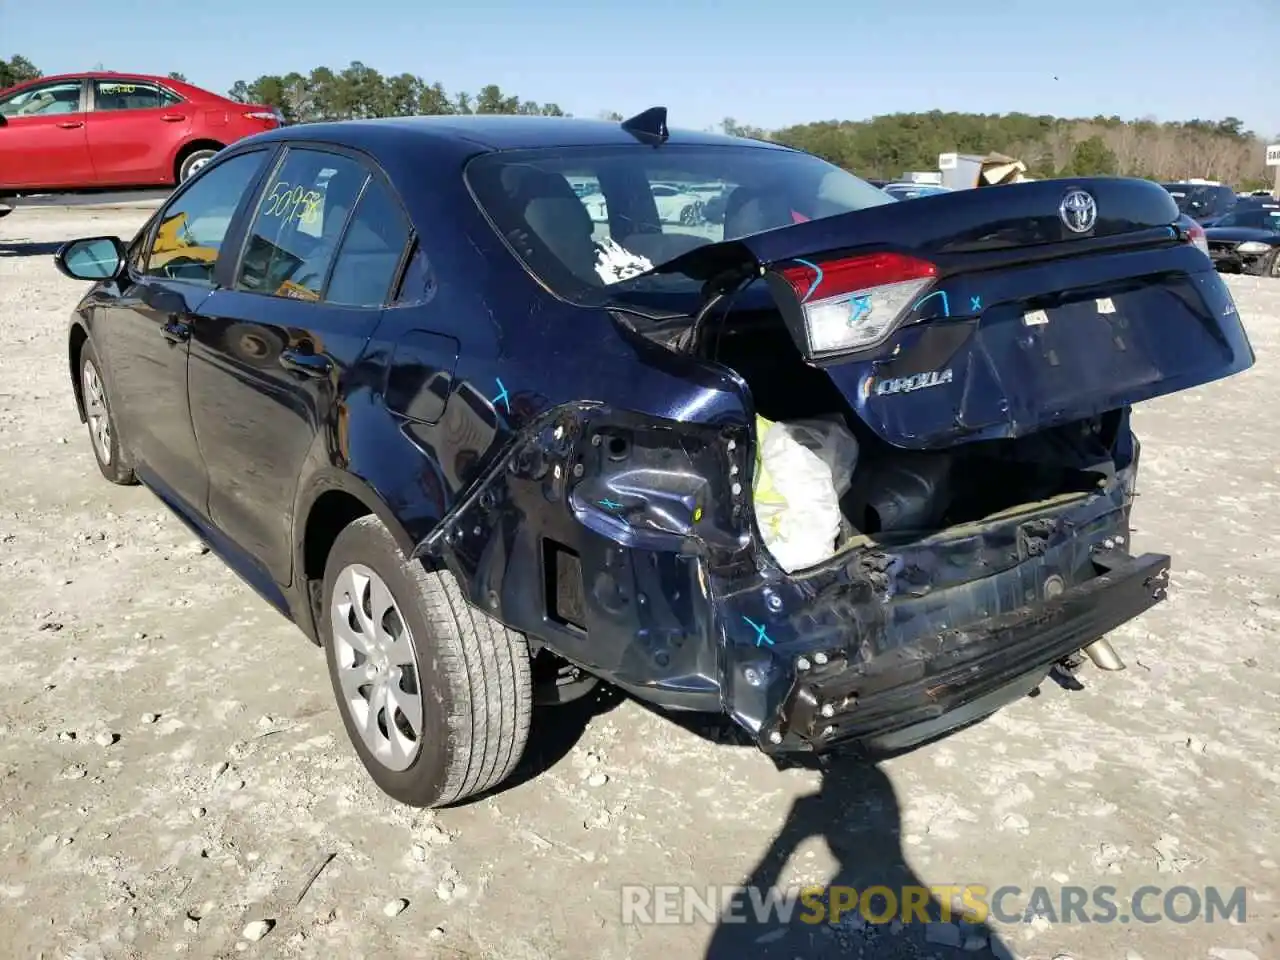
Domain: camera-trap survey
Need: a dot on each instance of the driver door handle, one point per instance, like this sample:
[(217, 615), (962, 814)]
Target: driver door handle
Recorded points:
[(176, 331), (71, 124), (314, 365), (172, 117)]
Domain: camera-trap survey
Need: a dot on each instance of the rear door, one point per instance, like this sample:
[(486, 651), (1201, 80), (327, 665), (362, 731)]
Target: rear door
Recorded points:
[(143, 336), (271, 350), (43, 142), (135, 128)]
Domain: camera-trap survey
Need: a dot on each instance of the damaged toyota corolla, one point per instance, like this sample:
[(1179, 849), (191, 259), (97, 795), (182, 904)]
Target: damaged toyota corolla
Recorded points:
[(850, 471)]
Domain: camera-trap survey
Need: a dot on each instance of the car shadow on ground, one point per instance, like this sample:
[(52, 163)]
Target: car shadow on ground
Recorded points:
[(29, 248), (855, 812)]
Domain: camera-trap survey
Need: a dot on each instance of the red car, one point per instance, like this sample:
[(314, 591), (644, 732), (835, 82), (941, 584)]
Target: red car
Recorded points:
[(88, 131)]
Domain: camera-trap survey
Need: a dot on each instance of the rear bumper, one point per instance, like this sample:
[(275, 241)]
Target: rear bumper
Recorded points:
[(906, 642), (972, 672)]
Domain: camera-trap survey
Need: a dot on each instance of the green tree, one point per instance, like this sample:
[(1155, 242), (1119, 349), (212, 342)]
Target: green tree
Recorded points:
[(1092, 158), (180, 77), (17, 70), (881, 146)]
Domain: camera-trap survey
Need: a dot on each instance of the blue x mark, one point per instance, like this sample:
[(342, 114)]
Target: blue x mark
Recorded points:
[(502, 397), (610, 504), (975, 303), (860, 307), (761, 637)]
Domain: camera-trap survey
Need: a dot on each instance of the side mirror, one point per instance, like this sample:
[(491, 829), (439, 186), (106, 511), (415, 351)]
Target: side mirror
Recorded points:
[(4, 121), (95, 258)]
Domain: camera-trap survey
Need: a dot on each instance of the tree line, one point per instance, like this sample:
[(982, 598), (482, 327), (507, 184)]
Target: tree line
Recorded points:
[(884, 146)]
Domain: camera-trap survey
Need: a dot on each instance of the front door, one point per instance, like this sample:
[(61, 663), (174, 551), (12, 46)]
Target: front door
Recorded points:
[(43, 142), (270, 353), (144, 337)]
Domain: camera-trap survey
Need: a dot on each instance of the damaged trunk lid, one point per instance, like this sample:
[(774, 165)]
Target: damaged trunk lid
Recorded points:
[(995, 312)]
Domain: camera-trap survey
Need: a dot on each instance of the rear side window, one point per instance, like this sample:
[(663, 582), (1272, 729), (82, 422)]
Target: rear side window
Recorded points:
[(298, 226), (189, 237), (371, 250), (130, 95)]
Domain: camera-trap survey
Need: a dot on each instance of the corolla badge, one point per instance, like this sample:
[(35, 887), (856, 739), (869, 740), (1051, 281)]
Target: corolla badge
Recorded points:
[(918, 381), (1079, 211)]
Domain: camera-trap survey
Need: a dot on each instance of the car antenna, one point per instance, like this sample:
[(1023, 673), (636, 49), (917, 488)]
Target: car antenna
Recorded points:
[(649, 126)]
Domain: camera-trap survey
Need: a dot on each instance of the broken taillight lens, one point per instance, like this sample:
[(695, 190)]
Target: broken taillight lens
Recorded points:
[(855, 302)]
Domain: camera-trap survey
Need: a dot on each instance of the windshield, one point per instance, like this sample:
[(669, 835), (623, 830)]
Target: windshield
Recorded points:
[(589, 221), (1259, 218)]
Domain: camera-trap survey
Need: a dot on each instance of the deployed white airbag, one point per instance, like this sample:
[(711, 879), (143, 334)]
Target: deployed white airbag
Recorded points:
[(803, 468)]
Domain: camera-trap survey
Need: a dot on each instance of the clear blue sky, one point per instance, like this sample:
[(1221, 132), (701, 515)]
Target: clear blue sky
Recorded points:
[(768, 64)]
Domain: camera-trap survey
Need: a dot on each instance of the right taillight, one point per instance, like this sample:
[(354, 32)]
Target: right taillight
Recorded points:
[(853, 302), (263, 115), (1196, 234)]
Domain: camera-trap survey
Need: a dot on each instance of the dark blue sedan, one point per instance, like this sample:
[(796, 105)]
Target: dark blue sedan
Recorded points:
[(1247, 240), (488, 452)]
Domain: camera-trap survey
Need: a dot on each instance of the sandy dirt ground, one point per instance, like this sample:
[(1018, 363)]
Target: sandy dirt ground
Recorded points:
[(173, 768)]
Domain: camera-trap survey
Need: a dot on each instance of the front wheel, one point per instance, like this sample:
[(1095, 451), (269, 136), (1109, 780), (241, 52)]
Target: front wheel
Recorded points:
[(104, 437), (1275, 264), (435, 695)]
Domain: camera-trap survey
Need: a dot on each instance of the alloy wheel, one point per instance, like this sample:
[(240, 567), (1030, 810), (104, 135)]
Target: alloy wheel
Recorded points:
[(197, 166), (377, 667), (95, 408)]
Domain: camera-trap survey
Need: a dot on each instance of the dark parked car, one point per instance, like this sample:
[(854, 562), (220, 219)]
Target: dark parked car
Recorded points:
[(1247, 240), (1202, 201), (485, 451)]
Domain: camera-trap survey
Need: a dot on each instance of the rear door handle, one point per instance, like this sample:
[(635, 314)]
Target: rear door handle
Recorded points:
[(172, 117), (71, 124), (175, 331), (315, 365)]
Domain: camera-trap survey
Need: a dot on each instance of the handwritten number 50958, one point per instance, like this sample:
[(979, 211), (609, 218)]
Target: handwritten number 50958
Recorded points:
[(289, 203)]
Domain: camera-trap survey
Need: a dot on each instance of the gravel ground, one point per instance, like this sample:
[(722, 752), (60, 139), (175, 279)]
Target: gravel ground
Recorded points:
[(173, 768)]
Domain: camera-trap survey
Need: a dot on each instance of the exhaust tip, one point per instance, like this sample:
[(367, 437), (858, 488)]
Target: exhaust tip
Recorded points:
[(1104, 655)]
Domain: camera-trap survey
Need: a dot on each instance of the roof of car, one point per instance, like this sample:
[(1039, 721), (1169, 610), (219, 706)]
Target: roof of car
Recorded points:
[(181, 85), (494, 132)]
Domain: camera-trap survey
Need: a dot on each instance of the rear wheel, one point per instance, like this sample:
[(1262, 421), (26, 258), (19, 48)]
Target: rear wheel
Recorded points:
[(435, 695), (193, 163), (103, 435)]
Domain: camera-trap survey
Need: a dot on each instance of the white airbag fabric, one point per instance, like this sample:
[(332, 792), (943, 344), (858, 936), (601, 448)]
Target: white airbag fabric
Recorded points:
[(803, 468)]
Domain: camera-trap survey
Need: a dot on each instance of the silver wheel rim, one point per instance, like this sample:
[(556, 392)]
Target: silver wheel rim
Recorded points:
[(195, 166), (377, 667), (95, 408)]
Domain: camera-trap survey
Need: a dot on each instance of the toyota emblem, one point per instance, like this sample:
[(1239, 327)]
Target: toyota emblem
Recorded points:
[(1078, 211)]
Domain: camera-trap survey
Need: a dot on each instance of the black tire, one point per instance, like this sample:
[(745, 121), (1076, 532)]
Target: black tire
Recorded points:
[(1275, 265), (474, 680), (192, 162), (113, 460)]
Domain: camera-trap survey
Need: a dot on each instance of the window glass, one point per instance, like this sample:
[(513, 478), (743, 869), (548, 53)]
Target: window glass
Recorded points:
[(418, 281), (370, 251), (298, 225), (193, 226), (43, 100), (129, 95), (588, 219)]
